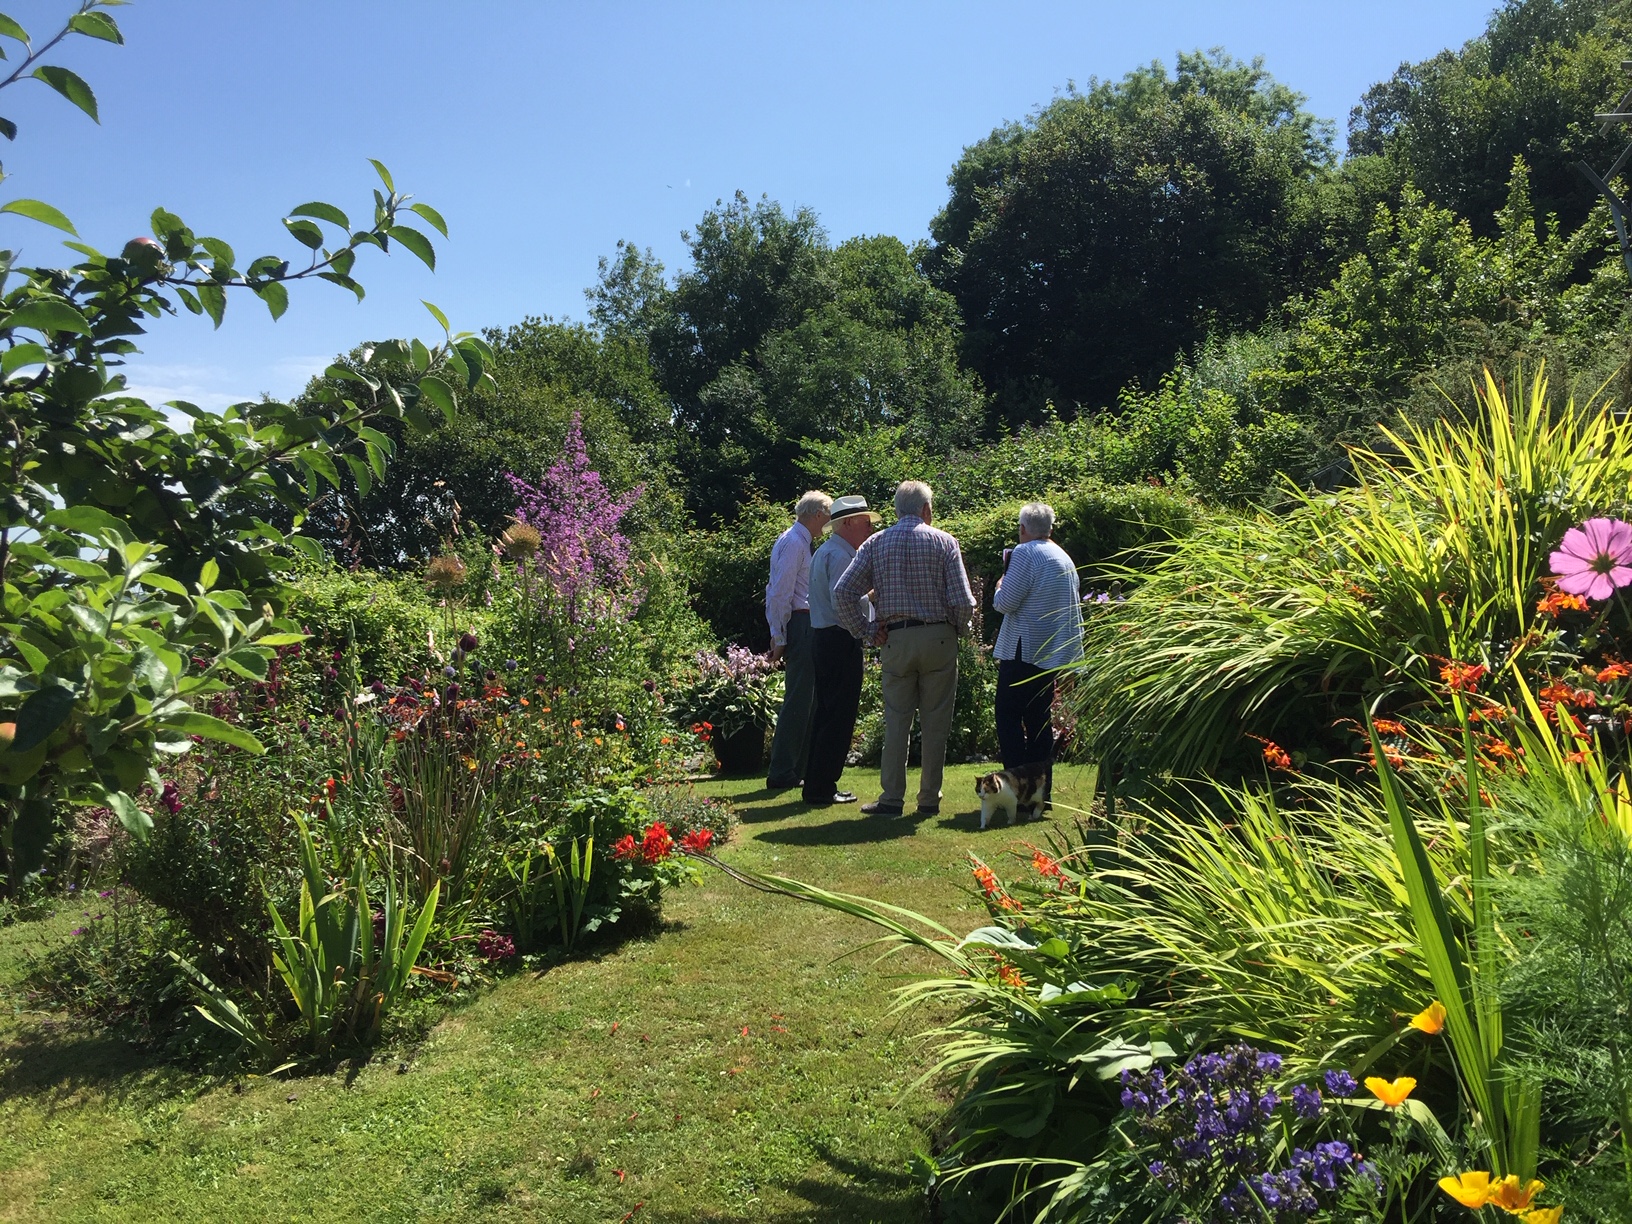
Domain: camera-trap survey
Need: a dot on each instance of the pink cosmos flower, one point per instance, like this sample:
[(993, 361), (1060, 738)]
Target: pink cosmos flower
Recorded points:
[(1594, 558)]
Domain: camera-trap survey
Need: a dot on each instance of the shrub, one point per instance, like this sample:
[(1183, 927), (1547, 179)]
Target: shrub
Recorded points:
[(1104, 528)]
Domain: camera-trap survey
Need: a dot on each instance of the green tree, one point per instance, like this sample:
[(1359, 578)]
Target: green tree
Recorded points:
[(773, 341), (451, 483), (1117, 226), (1527, 87), (139, 561), (1425, 290)]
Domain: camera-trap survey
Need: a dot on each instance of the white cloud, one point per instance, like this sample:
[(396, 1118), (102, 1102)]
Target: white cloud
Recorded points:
[(214, 387)]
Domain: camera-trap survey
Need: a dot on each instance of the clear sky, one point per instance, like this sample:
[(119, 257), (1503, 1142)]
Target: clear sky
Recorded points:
[(545, 132)]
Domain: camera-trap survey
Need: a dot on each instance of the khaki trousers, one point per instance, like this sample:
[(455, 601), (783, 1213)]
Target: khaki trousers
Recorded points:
[(920, 677)]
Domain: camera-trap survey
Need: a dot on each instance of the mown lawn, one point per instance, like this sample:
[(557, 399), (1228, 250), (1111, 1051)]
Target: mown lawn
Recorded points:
[(731, 1068)]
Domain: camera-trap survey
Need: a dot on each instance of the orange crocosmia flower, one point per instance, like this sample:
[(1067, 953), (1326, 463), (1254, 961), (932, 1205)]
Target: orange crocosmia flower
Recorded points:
[(1543, 1215), (1615, 671), (1387, 726), (1276, 757), (1391, 1093), (1430, 1019), (1559, 602), (1463, 677), (1511, 1197), (1472, 1190)]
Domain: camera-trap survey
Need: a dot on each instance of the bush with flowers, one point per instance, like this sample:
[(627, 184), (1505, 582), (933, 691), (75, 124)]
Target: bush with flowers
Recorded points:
[(491, 786), (729, 693)]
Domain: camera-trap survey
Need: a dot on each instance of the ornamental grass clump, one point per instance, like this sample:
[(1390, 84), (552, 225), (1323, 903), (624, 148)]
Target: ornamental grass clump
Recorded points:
[(1287, 627)]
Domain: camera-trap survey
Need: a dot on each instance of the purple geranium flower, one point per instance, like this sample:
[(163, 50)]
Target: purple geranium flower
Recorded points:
[(1594, 559)]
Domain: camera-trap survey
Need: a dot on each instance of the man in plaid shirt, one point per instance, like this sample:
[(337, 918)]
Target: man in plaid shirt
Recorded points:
[(921, 603)]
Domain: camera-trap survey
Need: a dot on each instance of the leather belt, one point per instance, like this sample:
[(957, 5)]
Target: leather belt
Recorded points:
[(910, 622)]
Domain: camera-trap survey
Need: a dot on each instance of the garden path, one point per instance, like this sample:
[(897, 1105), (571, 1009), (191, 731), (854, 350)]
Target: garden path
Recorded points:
[(730, 1069)]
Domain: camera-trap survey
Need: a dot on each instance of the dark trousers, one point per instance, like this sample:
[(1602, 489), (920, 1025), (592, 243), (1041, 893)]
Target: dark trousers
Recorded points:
[(1025, 728), (791, 743), (838, 696)]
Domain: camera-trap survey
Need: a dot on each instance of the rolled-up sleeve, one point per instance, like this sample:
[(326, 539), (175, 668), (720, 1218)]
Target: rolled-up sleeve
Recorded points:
[(850, 593)]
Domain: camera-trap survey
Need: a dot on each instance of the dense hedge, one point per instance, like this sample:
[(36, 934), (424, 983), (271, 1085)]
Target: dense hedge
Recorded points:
[(1098, 525), (389, 617)]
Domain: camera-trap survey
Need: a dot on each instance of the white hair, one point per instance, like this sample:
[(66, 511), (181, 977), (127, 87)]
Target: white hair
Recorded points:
[(911, 496), (814, 502), (1038, 519)]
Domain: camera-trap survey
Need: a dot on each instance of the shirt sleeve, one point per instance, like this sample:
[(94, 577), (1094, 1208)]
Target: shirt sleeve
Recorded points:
[(850, 594), (1016, 584), (959, 598), (779, 592)]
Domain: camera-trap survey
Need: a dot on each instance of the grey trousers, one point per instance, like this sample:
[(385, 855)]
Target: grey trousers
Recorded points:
[(920, 677), (790, 747)]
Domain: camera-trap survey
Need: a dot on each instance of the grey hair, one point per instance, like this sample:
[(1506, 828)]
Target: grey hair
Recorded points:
[(1038, 519), (814, 502), (911, 496)]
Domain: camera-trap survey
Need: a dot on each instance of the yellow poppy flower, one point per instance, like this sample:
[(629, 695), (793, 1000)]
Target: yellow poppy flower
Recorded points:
[(1430, 1019), (1512, 1197), (1391, 1094), (1469, 1189), (1543, 1215)]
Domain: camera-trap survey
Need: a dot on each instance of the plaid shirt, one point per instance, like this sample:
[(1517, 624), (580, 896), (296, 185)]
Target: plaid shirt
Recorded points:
[(915, 572)]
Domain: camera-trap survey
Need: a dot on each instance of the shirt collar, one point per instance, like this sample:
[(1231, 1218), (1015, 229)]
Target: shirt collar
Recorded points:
[(803, 530)]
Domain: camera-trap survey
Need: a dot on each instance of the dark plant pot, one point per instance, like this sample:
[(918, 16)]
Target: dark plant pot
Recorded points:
[(741, 752)]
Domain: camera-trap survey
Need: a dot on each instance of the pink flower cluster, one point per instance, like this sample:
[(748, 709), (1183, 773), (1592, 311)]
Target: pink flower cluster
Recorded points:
[(580, 547)]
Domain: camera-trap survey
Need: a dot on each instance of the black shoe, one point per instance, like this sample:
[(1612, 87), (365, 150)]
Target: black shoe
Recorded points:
[(880, 808), (931, 810), (830, 799)]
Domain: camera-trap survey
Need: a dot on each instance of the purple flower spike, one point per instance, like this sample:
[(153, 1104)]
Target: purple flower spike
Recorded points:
[(1594, 559)]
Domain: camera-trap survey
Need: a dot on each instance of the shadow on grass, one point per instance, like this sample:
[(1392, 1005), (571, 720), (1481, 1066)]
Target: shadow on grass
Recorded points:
[(54, 1061), (855, 830), (868, 1192), (772, 812), (969, 822)]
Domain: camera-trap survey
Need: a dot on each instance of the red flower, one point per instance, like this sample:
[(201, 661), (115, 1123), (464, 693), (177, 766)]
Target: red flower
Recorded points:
[(1615, 671), (656, 844), (625, 848), (1276, 757), (1043, 865), (697, 841)]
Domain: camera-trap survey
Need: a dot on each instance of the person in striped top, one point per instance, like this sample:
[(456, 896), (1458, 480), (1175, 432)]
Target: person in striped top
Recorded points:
[(1041, 602)]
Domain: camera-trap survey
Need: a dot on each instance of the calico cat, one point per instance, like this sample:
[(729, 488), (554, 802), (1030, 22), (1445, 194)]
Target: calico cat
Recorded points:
[(1011, 790)]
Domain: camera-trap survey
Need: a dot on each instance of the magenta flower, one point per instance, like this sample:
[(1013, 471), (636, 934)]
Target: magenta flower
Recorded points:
[(1594, 558)]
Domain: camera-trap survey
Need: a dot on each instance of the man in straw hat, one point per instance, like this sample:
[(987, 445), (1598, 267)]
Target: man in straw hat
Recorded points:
[(837, 654)]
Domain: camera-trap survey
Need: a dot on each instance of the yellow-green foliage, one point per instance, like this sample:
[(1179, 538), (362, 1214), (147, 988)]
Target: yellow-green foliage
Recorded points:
[(1283, 627)]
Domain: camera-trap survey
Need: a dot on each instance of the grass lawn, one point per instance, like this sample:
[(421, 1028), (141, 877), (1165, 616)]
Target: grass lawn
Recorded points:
[(730, 1069)]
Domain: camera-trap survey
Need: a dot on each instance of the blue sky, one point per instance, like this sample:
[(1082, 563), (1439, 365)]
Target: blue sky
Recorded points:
[(545, 132)]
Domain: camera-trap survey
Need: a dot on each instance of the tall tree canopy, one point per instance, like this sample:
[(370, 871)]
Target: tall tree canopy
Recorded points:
[(1092, 242), (1527, 87), (773, 338)]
